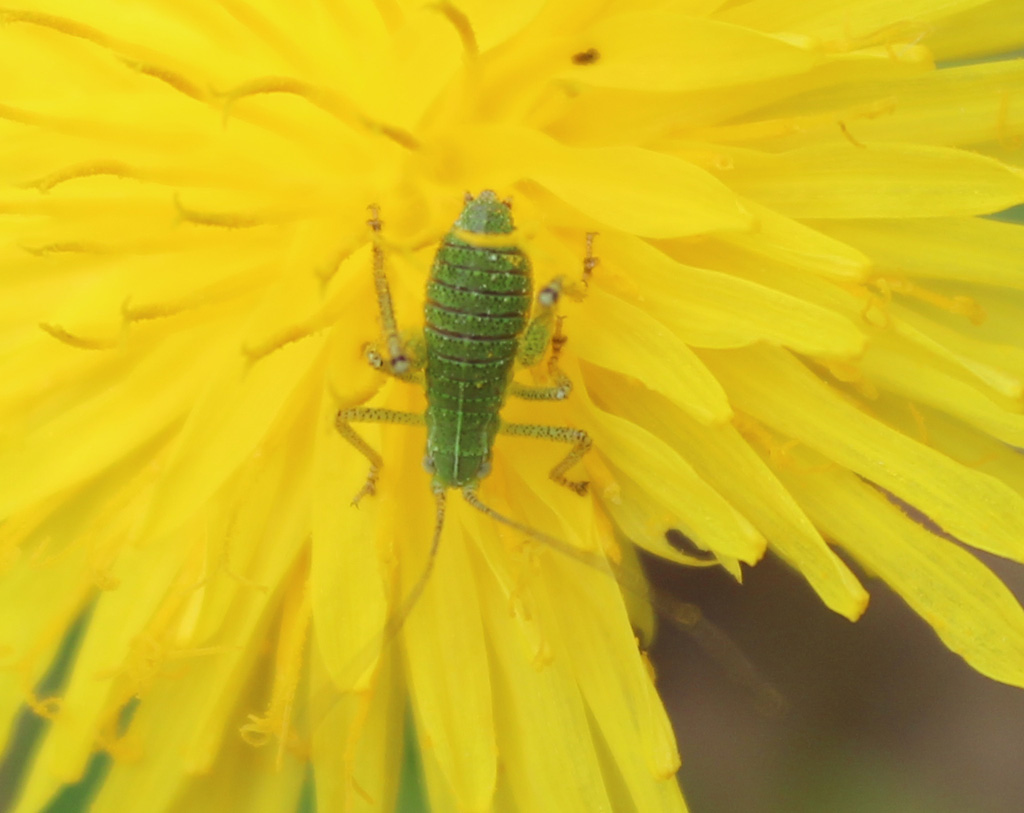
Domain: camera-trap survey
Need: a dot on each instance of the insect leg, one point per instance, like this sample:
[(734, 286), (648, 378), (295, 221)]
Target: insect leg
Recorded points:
[(565, 434), (538, 333), (371, 415), (563, 385), (545, 330), (544, 327), (397, 358), (415, 354)]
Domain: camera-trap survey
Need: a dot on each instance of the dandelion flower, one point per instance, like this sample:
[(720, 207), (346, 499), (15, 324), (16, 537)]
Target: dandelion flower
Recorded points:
[(797, 316)]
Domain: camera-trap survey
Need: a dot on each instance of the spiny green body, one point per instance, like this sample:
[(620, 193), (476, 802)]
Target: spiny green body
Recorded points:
[(478, 327), (478, 304)]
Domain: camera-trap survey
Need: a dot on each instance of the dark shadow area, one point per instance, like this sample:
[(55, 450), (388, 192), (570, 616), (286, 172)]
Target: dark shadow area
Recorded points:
[(880, 717)]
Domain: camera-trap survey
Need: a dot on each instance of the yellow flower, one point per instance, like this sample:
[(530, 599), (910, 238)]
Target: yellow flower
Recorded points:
[(797, 315)]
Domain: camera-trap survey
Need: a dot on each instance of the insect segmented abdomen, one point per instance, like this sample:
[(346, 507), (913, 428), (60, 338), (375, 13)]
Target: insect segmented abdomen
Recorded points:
[(478, 302)]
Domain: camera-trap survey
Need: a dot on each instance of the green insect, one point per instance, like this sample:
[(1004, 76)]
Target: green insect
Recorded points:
[(478, 328), (481, 322)]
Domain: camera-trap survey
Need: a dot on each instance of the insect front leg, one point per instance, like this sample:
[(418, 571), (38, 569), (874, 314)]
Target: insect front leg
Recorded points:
[(397, 360), (414, 349), (565, 434), (371, 415)]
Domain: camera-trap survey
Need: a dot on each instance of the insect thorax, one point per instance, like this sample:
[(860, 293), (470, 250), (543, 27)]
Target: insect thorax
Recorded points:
[(477, 305)]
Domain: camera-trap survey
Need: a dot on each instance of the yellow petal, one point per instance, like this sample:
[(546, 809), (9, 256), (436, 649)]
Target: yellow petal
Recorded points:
[(29, 642), (655, 50), (628, 188), (449, 676), (973, 250), (244, 777), (988, 28), (111, 664), (620, 337), (795, 244), (732, 467), (670, 483), (911, 373), (540, 772), (972, 611), (997, 365), (702, 305), (227, 424), (350, 614), (494, 24), (357, 741), (963, 106), (959, 441), (249, 779), (607, 666), (109, 422), (845, 22), (778, 390), (878, 180)]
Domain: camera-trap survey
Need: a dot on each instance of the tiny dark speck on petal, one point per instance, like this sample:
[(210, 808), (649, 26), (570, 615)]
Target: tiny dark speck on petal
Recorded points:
[(588, 57)]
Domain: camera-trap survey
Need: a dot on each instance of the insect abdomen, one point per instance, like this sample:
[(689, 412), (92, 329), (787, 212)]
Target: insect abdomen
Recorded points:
[(478, 301)]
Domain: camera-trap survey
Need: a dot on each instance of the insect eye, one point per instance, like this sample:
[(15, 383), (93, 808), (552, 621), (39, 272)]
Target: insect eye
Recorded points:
[(400, 364), (548, 296), (428, 464), (485, 469)]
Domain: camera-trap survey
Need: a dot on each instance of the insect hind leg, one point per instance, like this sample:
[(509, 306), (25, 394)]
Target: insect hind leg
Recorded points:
[(343, 423), (565, 434)]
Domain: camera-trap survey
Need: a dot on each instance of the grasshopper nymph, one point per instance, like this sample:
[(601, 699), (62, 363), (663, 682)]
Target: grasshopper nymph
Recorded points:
[(478, 327)]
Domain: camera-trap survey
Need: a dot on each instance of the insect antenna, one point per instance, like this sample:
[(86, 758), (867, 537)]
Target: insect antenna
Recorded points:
[(396, 620), (717, 644), (469, 494)]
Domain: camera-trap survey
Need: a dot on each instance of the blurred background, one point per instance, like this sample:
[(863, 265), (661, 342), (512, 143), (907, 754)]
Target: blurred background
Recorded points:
[(880, 717)]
